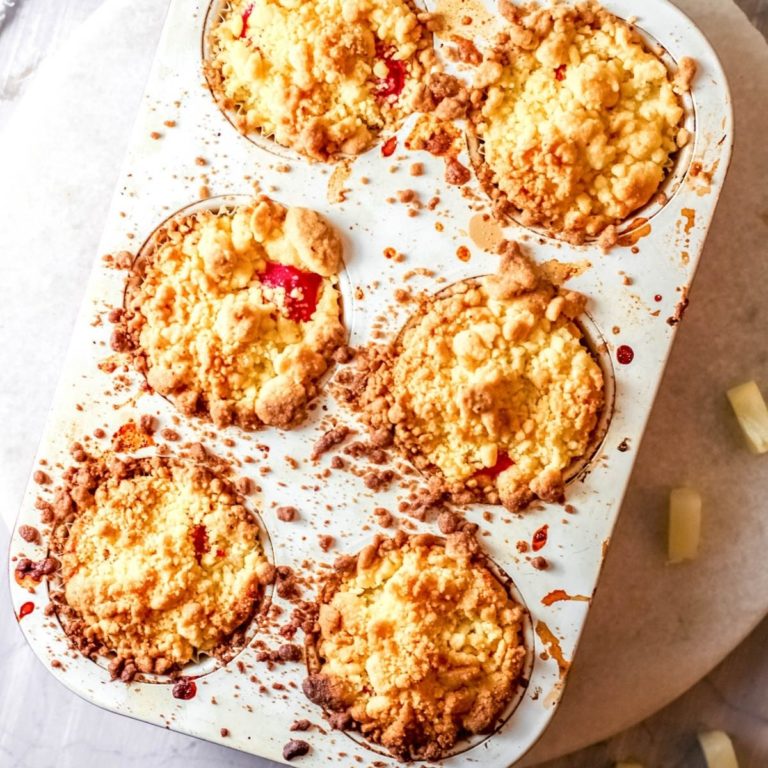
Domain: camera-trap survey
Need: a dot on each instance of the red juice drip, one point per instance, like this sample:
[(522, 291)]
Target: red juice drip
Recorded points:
[(389, 146), (540, 538), (184, 688), (200, 542), (625, 355), (305, 285), (657, 297), (25, 610), (246, 15), (394, 82)]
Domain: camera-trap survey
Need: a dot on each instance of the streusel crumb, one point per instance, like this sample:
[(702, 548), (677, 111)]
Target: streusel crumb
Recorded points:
[(578, 119), (160, 560), (324, 77), (235, 314), (489, 384), (419, 645)]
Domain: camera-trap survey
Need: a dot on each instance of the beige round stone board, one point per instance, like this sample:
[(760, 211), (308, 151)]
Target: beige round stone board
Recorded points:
[(654, 629)]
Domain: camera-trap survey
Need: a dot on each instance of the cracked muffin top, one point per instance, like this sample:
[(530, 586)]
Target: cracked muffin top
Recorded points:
[(322, 78), (160, 560), (489, 385), (419, 645), (578, 119), (234, 314)]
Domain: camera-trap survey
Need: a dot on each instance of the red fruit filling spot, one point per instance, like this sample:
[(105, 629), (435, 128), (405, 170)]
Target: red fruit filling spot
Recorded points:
[(246, 15), (200, 542), (301, 289), (502, 463), (394, 82), (540, 538)]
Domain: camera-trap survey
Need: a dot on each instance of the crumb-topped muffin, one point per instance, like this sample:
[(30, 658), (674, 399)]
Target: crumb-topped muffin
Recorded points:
[(489, 386), (578, 119), (418, 645), (160, 560), (234, 314), (322, 78)]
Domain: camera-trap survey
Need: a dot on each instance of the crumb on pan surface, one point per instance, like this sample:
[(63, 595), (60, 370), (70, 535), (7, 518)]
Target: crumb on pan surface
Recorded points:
[(324, 77), (160, 560), (490, 384), (235, 314), (419, 645), (579, 120)]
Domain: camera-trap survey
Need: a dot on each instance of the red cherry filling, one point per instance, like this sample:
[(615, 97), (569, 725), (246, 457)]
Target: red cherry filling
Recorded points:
[(301, 289), (394, 82), (200, 542), (246, 15), (502, 463)]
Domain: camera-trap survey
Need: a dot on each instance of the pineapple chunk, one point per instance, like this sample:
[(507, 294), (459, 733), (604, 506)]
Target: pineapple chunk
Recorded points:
[(718, 750), (752, 413), (684, 524)]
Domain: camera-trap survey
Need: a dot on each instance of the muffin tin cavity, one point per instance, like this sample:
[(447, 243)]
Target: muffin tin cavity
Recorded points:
[(319, 80), (233, 312), (163, 567)]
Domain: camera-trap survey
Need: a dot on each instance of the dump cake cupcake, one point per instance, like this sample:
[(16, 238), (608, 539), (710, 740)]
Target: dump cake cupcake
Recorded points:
[(322, 78), (418, 645), (490, 386), (578, 120), (234, 314), (160, 560)]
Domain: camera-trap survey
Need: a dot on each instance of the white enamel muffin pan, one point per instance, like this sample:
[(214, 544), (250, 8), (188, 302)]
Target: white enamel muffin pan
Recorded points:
[(633, 292)]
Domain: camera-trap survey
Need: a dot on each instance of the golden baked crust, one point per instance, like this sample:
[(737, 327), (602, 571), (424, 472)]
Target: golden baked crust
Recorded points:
[(418, 645), (490, 385), (324, 77), (235, 314), (160, 560), (578, 119)]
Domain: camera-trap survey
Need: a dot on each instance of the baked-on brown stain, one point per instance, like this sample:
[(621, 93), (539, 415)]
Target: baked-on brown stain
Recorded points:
[(553, 646), (690, 217), (485, 232), (636, 231), (559, 595), (463, 254)]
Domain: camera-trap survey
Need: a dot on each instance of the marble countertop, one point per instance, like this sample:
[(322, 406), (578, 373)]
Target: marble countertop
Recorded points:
[(58, 729)]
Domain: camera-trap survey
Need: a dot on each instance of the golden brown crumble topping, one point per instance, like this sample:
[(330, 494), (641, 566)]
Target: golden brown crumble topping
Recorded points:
[(418, 645), (160, 560), (489, 385), (578, 119), (324, 77), (235, 314)]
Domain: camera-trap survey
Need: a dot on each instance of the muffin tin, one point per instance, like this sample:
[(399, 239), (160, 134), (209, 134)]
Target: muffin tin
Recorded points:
[(637, 294)]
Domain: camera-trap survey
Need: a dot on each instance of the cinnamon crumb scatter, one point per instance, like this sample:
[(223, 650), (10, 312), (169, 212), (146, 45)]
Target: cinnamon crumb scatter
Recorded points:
[(287, 514), (41, 478), (418, 645), (488, 388), (295, 748), (235, 314), (329, 440), (160, 561), (578, 119), (323, 78)]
